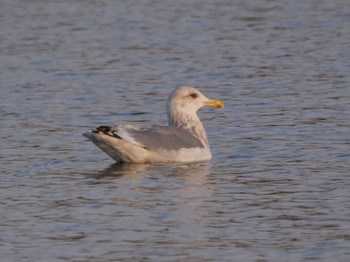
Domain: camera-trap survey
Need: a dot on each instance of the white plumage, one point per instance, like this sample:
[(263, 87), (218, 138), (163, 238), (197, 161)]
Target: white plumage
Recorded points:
[(183, 140)]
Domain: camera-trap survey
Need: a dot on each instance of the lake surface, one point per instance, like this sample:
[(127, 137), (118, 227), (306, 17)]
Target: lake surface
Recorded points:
[(277, 188)]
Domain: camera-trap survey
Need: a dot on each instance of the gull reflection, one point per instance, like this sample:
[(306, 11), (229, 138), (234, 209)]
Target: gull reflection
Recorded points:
[(194, 172), (180, 191)]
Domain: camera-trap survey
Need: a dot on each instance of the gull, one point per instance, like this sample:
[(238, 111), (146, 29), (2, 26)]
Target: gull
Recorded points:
[(183, 140)]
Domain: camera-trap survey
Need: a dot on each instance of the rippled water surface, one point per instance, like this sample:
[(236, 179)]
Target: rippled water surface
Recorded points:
[(277, 188)]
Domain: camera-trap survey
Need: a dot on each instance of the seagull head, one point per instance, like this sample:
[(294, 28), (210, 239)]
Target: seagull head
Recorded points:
[(189, 99)]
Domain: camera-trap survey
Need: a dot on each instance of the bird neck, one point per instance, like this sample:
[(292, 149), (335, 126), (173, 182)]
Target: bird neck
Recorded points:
[(189, 122)]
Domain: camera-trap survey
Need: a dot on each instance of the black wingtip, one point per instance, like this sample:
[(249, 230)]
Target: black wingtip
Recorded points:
[(106, 130), (103, 129)]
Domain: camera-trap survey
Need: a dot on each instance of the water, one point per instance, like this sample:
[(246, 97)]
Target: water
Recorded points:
[(277, 188)]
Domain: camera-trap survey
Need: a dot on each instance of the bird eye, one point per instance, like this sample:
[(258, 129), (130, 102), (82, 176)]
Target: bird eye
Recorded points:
[(194, 95)]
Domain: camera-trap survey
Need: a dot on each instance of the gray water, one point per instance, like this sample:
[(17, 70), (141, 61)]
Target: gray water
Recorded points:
[(277, 188)]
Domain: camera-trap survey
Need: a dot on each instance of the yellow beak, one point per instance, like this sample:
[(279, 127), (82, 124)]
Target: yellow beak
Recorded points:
[(214, 103)]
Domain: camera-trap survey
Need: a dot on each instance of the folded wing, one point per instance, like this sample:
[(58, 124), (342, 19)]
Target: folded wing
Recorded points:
[(154, 138)]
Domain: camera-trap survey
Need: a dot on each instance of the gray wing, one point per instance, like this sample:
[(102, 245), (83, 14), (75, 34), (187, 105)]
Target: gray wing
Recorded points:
[(164, 137)]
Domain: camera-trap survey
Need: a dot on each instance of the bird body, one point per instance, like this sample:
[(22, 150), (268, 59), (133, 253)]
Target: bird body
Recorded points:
[(183, 140)]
